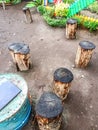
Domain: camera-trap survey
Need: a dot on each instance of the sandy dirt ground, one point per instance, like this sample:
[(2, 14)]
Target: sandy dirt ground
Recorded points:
[(50, 50)]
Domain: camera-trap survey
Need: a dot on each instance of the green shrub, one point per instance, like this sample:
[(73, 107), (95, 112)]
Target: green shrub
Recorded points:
[(61, 22), (41, 9), (10, 1), (94, 7), (61, 10), (33, 3), (87, 22)]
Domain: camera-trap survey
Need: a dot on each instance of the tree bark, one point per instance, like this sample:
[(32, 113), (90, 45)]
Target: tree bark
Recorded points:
[(71, 28), (21, 56), (83, 57), (61, 89)]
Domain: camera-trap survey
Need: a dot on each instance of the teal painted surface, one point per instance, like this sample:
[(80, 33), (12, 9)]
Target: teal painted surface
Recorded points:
[(18, 101), (19, 119), (78, 5), (15, 115), (50, 1)]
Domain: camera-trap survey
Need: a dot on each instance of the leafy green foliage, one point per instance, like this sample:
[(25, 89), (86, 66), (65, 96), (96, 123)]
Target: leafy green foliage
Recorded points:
[(56, 16), (41, 9), (34, 3), (47, 10), (94, 7), (30, 4), (87, 22), (11, 1), (61, 22), (50, 12), (15, 1), (61, 10)]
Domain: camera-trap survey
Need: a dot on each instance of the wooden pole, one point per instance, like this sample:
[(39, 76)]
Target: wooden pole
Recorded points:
[(71, 28), (62, 82), (84, 53), (21, 56), (28, 15)]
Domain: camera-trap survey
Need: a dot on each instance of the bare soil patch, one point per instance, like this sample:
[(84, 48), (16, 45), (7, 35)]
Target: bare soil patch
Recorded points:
[(50, 50)]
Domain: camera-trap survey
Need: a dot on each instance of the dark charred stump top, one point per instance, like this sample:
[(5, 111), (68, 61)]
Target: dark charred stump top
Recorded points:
[(87, 45), (63, 75), (49, 105), (19, 48), (25, 9), (71, 21)]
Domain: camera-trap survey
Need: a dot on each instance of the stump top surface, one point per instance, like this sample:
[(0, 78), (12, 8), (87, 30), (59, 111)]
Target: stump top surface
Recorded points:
[(87, 45), (63, 75), (19, 48), (71, 21), (49, 105), (25, 8)]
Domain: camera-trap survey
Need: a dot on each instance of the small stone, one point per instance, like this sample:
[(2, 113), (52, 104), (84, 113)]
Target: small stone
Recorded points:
[(0, 52), (96, 126), (58, 39), (14, 34), (73, 66), (41, 39), (91, 106), (81, 112), (78, 117), (82, 76)]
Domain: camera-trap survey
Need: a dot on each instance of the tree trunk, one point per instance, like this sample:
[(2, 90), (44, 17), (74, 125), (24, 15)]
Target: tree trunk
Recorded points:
[(61, 89), (84, 53), (21, 56), (22, 61), (49, 123), (83, 57), (71, 28)]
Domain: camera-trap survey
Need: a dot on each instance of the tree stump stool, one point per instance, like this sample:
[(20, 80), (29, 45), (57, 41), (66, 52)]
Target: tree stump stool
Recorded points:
[(84, 53), (49, 111), (27, 15), (62, 82), (21, 56), (71, 28)]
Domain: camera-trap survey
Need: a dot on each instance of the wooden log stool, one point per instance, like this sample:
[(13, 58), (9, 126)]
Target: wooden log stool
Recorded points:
[(27, 15), (71, 28), (21, 56), (62, 82), (84, 53), (49, 111)]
